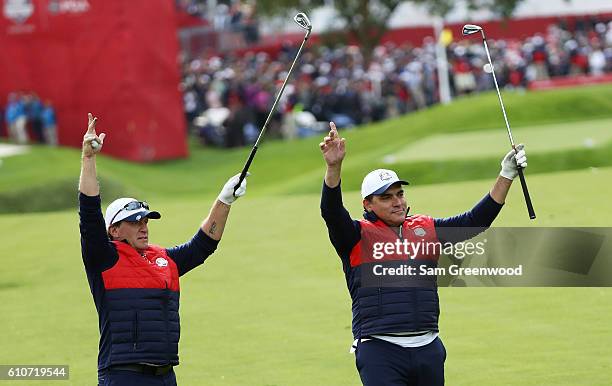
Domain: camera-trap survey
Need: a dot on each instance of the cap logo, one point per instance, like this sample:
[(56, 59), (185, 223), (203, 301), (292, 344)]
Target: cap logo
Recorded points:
[(138, 217), (385, 176), (419, 232), (161, 262)]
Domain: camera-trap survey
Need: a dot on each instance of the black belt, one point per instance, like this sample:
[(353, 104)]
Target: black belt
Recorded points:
[(144, 369), (406, 334)]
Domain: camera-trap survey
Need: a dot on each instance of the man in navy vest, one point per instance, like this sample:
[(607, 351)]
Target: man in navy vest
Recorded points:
[(135, 285), (395, 327)]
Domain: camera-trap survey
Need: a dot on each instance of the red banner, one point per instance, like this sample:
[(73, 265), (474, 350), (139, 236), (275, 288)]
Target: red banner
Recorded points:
[(115, 58)]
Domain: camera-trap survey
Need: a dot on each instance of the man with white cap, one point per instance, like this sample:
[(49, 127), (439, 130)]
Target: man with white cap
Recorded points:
[(395, 327), (135, 285)]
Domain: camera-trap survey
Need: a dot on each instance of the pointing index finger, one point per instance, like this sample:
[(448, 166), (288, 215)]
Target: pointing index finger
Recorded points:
[(334, 131)]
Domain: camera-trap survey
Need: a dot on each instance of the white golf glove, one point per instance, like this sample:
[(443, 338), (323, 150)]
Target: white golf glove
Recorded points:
[(94, 141), (509, 164), (227, 193)]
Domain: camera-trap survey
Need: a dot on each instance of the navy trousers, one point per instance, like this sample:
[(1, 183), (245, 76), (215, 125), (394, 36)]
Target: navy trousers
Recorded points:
[(381, 363), (132, 378)]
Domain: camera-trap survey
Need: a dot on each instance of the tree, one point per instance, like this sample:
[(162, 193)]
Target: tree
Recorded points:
[(366, 20)]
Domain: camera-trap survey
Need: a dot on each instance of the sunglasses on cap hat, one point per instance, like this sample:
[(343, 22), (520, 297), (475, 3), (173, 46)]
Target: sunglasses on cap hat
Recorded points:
[(131, 206)]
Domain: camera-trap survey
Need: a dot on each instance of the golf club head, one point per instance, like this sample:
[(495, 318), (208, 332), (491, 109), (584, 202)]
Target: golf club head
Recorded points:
[(303, 21), (470, 29)]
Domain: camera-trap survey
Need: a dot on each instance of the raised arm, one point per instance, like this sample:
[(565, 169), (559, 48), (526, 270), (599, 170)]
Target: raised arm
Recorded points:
[(214, 224), (343, 232), (333, 149), (508, 173), (95, 246), (194, 252), (481, 216), (88, 182)]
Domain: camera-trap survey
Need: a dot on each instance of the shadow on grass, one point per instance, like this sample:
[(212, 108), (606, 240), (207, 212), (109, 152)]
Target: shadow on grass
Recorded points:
[(9, 285)]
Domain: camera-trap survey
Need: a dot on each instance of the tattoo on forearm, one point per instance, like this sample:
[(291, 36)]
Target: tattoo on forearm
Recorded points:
[(213, 228)]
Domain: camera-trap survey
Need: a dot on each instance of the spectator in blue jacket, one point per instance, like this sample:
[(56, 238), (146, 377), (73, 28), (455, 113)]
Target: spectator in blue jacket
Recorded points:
[(395, 327), (135, 284), (49, 124), (33, 110), (16, 119)]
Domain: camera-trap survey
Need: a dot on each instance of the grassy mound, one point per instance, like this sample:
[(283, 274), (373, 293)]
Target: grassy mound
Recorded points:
[(295, 167), (53, 195)]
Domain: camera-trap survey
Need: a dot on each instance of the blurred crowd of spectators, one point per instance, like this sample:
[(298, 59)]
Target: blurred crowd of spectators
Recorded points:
[(558, 53), (28, 119), (227, 98)]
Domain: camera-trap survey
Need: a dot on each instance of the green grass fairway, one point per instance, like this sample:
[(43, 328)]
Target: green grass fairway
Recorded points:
[(490, 143), (271, 307)]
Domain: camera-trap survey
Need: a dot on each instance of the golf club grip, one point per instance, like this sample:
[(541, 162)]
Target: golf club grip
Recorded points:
[(532, 214), (245, 169)]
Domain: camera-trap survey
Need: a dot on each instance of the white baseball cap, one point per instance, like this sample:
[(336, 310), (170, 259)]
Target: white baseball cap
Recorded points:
[(128, 209), (379, 180)]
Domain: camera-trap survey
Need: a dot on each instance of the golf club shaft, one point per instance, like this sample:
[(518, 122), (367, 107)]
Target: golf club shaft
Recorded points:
[(530, 210), (501, 102), (245, 169)]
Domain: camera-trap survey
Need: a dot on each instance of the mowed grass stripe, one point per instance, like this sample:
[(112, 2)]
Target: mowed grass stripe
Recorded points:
[(539, 139)]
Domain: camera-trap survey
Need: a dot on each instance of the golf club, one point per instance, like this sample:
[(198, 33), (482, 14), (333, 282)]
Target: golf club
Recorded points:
[(470, 29), (302, 20)]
